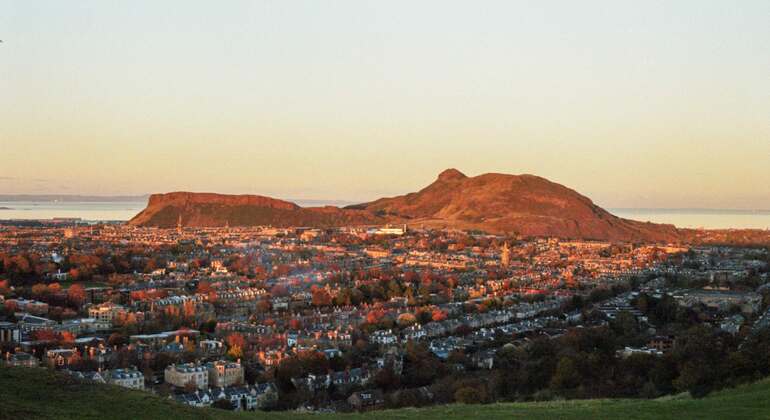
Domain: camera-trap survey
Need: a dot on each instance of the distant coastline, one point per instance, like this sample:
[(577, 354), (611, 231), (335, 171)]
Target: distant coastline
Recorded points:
[(699, 218), (686, 210), (70, 198)]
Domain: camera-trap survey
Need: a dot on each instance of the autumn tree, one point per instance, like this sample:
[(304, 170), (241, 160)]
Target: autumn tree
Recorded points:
[(66, 338), (76, 294), (438, 315), (204, 287), (321, 297), (236, 340), (406, 319), (235, 352), (39, 290)]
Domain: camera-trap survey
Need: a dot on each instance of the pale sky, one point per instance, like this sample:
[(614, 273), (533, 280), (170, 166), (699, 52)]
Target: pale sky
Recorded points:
[(632, 103)]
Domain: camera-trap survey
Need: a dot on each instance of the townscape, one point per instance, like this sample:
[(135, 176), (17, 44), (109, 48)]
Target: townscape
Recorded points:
[(363, 318)]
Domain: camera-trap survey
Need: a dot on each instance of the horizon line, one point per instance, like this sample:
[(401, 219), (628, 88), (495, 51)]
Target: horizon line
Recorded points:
[(126, 197)]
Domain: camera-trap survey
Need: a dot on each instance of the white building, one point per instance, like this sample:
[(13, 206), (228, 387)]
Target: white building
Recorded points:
[(383, 337), (127, 378), (181, 374)]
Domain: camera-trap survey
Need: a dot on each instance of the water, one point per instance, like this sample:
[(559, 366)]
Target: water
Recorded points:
[(99, 210), (96, 210), (125, 210), (700, 218)]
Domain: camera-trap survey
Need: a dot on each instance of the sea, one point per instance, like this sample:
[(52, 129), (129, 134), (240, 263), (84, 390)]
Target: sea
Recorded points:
[(125, 210), (98, 210), (700, 218)]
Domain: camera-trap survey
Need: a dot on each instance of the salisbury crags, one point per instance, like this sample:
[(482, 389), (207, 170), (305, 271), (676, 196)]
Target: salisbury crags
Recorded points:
[(210, 210)]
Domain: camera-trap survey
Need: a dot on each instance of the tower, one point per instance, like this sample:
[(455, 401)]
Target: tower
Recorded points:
[(505, 255), (179, 225)]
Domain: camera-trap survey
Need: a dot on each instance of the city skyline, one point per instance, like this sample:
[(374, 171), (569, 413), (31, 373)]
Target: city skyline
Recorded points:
[(633, 105)]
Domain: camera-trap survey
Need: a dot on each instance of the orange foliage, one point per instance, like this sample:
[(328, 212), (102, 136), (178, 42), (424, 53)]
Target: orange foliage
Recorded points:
[(76, 293), (236, 339), (438, 315)]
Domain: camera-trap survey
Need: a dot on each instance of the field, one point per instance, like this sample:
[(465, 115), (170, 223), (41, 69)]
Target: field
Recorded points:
[(39, 393)]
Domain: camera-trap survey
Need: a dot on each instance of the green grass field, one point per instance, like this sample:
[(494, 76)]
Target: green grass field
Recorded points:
[(39, 393)]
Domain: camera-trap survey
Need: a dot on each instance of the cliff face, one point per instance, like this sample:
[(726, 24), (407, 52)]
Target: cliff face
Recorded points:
[(497, 203), (208, 210)]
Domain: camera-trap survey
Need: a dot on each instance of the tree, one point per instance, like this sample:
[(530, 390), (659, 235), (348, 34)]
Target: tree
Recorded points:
[(438, 315), (204, 287), (66, 338), (190, 386), (39, 290), (10, 306), (295, 324), (76, 294), (236, 339), (321, 297), (235, 352), (468, 395), (406, 319), (44, 335), (566, 375), (117, 339), (223, 404), (279, 290)]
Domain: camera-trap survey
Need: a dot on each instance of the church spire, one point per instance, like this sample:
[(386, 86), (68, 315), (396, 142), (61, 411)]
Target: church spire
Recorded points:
[(505, 255)]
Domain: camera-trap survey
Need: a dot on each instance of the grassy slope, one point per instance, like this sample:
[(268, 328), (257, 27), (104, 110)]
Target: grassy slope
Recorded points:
[(38, 393)]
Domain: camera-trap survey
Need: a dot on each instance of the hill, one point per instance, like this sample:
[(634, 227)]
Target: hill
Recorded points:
[(497, 203), (525, 204), (211, 210), (42, 394)]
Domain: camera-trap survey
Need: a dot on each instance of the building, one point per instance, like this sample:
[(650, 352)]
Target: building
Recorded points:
[(383, 337), (9, 332), (661, 343), (505, 255), (105, 312), (211, 348), (260, 396), (224, 374), (127, 378), (92, 376), (389, 230), (84, 325), (180, 375), (732, 324), (31, 306), (21, 360), (367, 400), (29, 323), (748, 302), (61, 358)]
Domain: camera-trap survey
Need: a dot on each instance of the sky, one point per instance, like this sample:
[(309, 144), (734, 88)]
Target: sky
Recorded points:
[(653, 104)]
